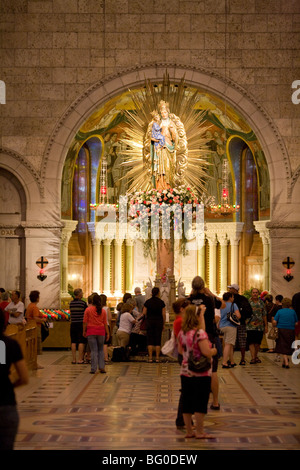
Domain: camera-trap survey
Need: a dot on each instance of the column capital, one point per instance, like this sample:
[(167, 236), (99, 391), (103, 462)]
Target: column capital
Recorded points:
[(69, 225), (262, 229), (234, 232), (234, 239), (212, 238), (96, 241), (118, 241), (223, 239), (68, 228)]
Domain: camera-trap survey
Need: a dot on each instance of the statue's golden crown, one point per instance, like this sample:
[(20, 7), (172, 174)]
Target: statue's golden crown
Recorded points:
[(163, 104), (154, 113)]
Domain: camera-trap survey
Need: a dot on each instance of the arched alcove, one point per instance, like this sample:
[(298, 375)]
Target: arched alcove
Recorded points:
[(238, 99), (228, 135), (12, 242)]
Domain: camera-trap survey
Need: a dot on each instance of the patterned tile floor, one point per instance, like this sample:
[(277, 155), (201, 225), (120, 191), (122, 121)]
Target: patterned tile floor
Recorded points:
[(134, 405)]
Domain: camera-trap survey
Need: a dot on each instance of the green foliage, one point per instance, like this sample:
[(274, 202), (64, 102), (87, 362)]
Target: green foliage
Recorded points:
[(247, 293), (71, 290)]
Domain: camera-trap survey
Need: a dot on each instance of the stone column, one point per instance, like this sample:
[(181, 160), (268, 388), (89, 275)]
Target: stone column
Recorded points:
[(260, 227), (234, 234), (129, 266), (96, 258), (234, 242), (212, 240), (107, 266), (201, 258), (96, 247), (223, 240), (118, 267), (69, 227)]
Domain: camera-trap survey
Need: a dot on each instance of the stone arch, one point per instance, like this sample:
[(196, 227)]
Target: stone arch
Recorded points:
[(24, 174), (13, 217), (263, 126), (21, 204)]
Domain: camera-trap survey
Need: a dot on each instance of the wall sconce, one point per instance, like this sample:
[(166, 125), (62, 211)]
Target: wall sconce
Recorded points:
[(288, 263), (41, 263), (41, 276)]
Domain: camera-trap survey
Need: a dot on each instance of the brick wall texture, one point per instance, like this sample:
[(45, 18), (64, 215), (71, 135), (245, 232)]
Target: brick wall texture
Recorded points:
[(53, 50)]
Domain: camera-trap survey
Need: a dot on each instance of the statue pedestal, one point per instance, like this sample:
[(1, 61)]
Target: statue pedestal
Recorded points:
[(165, 269), (165, 257)]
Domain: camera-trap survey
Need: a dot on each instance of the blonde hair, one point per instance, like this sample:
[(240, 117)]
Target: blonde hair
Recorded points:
[(127, 307), (190, 318), (286, 302)]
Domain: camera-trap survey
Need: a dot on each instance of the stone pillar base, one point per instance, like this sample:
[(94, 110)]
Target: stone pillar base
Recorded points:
[(65, 299)]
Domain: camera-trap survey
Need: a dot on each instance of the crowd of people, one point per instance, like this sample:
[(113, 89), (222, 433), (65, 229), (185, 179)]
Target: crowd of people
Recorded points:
[(138, 327), (205, 326)]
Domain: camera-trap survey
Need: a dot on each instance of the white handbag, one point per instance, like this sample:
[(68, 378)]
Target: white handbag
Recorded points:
[(170, 347)]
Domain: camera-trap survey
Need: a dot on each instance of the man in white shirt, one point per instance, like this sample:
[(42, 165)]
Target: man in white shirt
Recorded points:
[(15, 309)]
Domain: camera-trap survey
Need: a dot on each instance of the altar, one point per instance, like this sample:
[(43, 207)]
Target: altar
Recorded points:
[(160, 155)]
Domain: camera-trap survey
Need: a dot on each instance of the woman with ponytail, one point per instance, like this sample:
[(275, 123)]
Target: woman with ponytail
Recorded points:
[(96, 330)]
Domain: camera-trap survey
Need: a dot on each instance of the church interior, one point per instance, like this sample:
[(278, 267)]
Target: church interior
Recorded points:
[(81, 85)]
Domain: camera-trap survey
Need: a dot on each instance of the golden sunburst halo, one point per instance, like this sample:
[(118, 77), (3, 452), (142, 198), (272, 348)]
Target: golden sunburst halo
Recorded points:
[(190, 169)]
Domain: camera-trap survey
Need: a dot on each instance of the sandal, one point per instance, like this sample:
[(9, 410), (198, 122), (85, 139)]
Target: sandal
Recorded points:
[(242, 363), (258, 361), (189, 436), (214, 407), (73, 362), (253, 361)]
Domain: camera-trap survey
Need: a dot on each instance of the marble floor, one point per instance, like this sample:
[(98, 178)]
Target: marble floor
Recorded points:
[(133, 407)]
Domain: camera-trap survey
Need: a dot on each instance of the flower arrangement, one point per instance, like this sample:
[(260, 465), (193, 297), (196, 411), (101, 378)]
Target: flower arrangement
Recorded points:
[(171, 202), (169, 196)]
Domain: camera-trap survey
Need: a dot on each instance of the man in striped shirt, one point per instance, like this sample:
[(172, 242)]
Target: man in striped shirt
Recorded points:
[(77, 309)]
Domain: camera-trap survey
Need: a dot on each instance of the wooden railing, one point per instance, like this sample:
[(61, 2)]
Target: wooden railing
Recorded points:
[(26, 335)]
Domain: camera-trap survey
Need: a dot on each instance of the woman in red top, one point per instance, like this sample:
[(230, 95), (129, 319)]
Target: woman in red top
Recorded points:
[(95, 328)]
